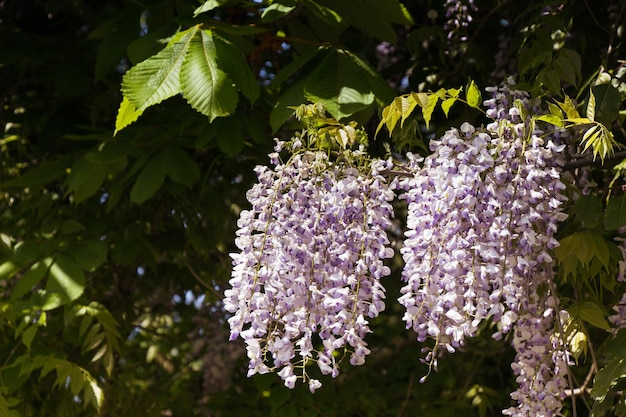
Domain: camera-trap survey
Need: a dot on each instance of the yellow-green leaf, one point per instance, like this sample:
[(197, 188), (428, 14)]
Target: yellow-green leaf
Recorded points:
[(591, 107), (126, 115), (430, 107), (473, 95)]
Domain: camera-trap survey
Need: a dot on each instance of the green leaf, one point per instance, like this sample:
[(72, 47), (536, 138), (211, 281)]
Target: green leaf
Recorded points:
[(383, 93), (608, 376), (116, 33), (126, 114), (85, 179), (65, 279), (180, 167), (591, 107), (616, 347), (550, 79), (232, 61), (578, 345), (615, 215), (230, 137), (89, 253), (149, 181), (555, 110), (373, 17), (44, 173), (407, 105), (590, 138), (30, 279), (593, 314), (206, 87), (390, 117), (474, 98), (297, 64), (293, 96), (277, 10), (326, 14), (158, 77), (588, 210), (552, 119), (608, 102), (7, 269), (79, 379), (568, 65), (28, 336), (569, 108), (209, 5), (447, 104), (566, 254), (339, 84), (602, 404), (71, 226), (430, 107)]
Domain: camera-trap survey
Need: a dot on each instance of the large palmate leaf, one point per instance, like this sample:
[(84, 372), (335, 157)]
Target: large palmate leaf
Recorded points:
[(231, 60), (205, 68), (157, 78), (206, 87)]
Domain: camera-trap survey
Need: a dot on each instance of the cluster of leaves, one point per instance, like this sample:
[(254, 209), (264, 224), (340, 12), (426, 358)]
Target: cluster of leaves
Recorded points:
[(114, 249)]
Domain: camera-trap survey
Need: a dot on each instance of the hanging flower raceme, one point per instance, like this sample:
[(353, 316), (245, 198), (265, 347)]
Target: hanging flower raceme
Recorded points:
[(307, 277), (483, 209), (541, 360)]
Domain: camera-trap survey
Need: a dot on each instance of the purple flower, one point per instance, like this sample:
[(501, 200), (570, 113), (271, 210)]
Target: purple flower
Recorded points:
[(311, 257)]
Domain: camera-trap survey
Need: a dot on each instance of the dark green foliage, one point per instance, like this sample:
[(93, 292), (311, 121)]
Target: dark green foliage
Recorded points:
[(130, 132)]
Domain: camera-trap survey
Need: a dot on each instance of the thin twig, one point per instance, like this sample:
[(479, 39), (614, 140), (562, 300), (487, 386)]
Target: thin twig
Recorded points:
[(201, 281), (579, 163), (409, 389), (583, 388)]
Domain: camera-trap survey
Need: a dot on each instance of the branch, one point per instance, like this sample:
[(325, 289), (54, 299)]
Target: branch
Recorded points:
[(579, 163), (201, 281), (407, 395)]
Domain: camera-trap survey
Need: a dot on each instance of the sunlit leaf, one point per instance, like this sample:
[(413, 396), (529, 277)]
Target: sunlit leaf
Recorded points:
[(474, 98), (205, 86), (608, 376), (430, 107), (591, 107), (65, 279), (126, 114), (447, 104), (277, 10), (210, 5), (158, 77), (569, 108)]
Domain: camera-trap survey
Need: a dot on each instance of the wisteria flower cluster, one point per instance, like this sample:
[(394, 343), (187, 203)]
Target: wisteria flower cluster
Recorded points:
[(483, 210), (311, 258), (541, 361), (482, 213), (459, 16)]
